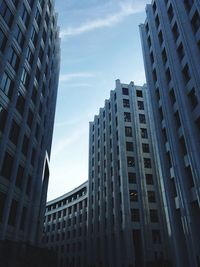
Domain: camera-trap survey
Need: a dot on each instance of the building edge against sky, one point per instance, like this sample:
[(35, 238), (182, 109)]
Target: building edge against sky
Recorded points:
[(171, 49), (29, 70)]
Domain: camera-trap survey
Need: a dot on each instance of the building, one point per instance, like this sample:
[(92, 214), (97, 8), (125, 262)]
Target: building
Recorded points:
[(126, 218), (171, 48), (65, 227), (29, 68)]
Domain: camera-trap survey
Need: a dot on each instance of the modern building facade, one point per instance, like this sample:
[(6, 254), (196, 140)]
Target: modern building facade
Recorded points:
[(126, 218), (171, 48), (29, 68), (65, 227)]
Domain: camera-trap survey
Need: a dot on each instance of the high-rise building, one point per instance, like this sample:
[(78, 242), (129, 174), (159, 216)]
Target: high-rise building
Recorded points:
[(126, 218), (65, 227), (29, 69), (171, 48)]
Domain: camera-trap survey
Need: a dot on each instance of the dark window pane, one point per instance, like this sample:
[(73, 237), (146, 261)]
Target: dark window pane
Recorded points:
[(3, 117), (14, 133), (20, 103), (7, 85), (129, 146), (128, 131), (153, 215), (7, 166), (125, 91), (131, 178), (130, 161), (19, 178), (2, 203), (3, 40), (13, 213)]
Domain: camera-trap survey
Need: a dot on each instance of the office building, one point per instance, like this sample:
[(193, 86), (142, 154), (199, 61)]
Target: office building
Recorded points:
[(65, 227), (29, 68), (171, 48), (126, 217)]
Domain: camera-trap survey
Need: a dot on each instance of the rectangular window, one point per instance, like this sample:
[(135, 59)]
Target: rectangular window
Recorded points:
[(19, 178), (132, 178), (126, 103), (128, 131), (20, 103), (135, 215), (25, 145), (7, 85), (153, 215), (193, 98), (127, 117), (195, 22), (133, 195), (151, 196), (149, 179), (186, 74), (13, 213), (147, 163), (175, 32), (30, 118), (180, 52), (2, 204), (3, 41), (140, 105), (125, 91), (160, 37), (139, 93), (170, 13), (3, 117), (156, 236), (129, 146), (7, 165), (142, 118), (145, 148), (143, 132), (14, 133), (130, 161)]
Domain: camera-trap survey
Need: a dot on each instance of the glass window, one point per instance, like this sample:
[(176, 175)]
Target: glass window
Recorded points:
[(149, 179), (153, 215), (3, 117), (125, 91), (7, 165), (25, 145), (7, 85), (151, 196), (3, 41), (19, 178), (2, 204), (133, 195), (143, 132), (127, 116), (147, 163), (128, 131), (129, 146), (14, 132), (135, 215), (145, 148), (13, 212), (20, 103), (156, 236), (140, 105), (142, 118), (130, 161), (131, 178), (195, 21), (126, 103)]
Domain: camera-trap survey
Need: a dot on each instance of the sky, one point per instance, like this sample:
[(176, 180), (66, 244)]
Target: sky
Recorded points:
[(100, 43)]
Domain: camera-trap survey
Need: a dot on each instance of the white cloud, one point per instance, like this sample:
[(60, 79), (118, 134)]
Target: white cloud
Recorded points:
[(126, 8), (70, 76)]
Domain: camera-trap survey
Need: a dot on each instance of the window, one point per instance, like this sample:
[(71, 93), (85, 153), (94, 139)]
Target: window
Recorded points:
[(13, 59), (7, 85), (3, 41), (157, 21), (19, 177), (132, 178), (20, 103), (147, 163), (25, 15), (170, 13), (125, 91), (164, 56), (153, 215), (151, 196), (145, 148), (152, 58), (7, 165), (140, 105), (175, 32), (149, 179), (2, 203), (3, 117), (25, 145), (168, 75), (195, 22), (30, 118), (6, 13), (25, 77), (172, 96), (186, 74), (139, 93), (156, 236), (19, 37), (154, 76), (13, 213), (160, 37), (129, 146), (126, 103), (133, 195), (135, 215), (130, 161), (14, 133), (142, 118), (127, 116), (143, 132), (128, 131), (193, 98)]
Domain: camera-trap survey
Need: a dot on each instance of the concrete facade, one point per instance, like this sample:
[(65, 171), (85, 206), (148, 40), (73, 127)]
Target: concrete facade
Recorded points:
[(29, 68), (126, 217), (171, 48), (65, 227)]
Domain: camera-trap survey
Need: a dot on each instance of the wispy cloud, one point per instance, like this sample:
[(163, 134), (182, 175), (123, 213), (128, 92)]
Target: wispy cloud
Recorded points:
[(70, 76), (126, 8)]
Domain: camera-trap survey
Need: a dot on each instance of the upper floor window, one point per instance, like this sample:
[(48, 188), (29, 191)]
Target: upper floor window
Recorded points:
[(3, 117), (7, 85), (128, 131), (130, 161), (127, 116), (143, 133), (125, 91), (126, 103), (142, 118), (195, 21), (140, 105)]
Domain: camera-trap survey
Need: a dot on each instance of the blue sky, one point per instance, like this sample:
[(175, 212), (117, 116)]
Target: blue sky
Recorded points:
[(99, 43)]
